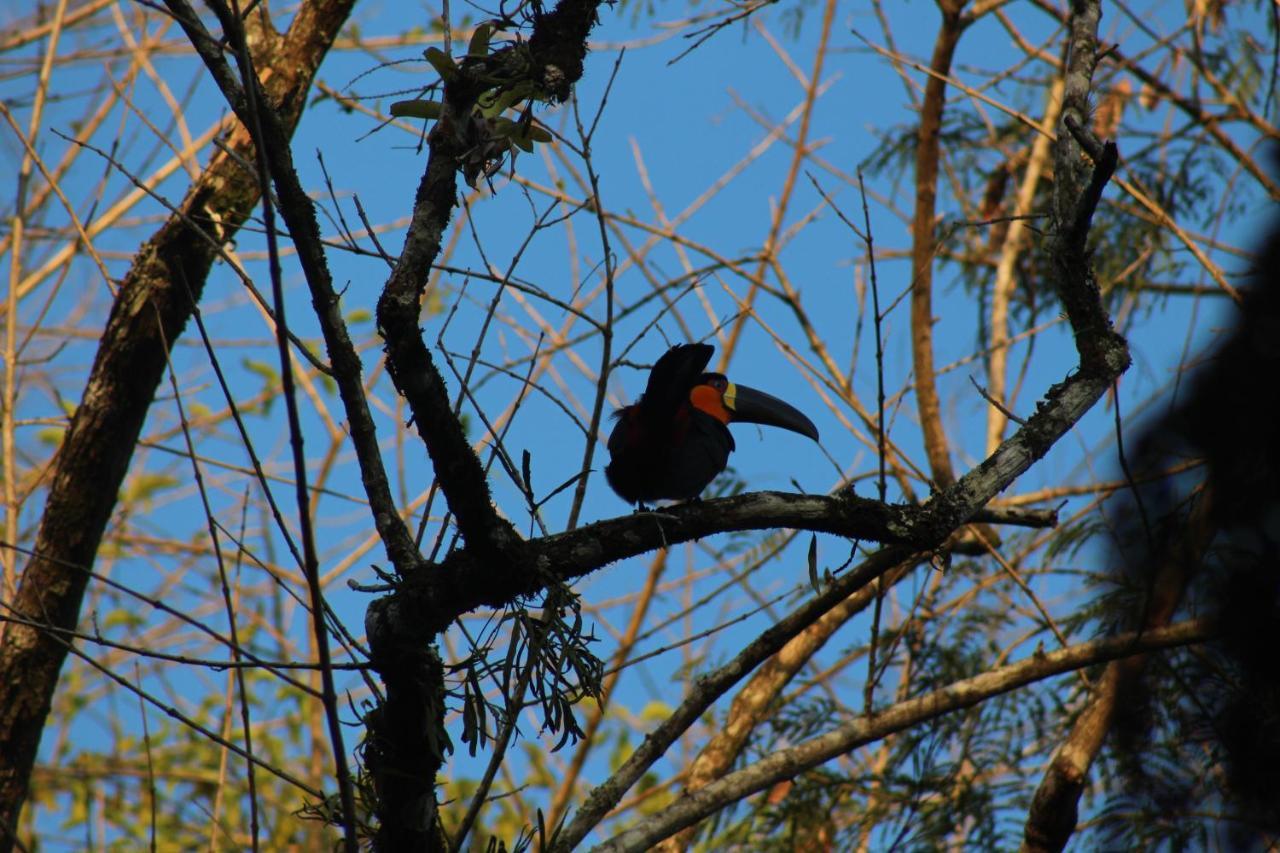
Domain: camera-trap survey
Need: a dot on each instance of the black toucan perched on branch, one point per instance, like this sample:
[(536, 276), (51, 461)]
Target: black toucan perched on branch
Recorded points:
[(675, 439)]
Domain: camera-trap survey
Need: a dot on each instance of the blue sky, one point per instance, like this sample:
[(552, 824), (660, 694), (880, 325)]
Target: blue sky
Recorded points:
[(690, 123)]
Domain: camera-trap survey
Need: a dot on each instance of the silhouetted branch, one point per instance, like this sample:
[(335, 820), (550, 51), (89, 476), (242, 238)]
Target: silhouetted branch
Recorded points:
[(464, 581)]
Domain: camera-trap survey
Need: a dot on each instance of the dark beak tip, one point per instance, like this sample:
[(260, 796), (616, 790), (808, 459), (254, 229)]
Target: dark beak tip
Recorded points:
[(760, 408), (808, 430)]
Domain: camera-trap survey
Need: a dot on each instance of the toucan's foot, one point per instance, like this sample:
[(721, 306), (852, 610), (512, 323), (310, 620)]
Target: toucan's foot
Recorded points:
[(640, 507)]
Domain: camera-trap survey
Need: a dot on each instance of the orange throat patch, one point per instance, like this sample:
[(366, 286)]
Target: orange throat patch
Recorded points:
[(711, 401)]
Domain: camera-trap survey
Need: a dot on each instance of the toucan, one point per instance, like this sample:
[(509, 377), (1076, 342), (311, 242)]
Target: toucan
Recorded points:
[(675, 439)]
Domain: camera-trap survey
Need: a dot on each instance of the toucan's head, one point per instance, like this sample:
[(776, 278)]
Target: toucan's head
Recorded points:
[(729, 402)]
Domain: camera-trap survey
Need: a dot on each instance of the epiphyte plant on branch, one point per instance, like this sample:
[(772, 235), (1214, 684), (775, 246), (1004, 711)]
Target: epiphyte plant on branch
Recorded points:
[(506, 75), (673, 442)]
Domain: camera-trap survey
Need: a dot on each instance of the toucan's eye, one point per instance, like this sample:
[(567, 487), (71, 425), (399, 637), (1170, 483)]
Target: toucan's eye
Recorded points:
[(719, 383)]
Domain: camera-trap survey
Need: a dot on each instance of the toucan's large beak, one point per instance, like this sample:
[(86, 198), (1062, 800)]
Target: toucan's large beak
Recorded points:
[(756, 407)]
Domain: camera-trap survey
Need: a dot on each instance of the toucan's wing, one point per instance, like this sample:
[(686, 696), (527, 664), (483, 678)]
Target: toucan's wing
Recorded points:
[(671, 379)]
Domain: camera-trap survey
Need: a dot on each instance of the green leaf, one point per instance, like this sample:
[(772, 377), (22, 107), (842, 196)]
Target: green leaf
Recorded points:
[(417, 109), (51, 436), (479, 45), (621, 751), (122, 618), (442, 62), (656, 710), (813, 563), (146, 486), (469, 724), (267, 371), (497, 101)]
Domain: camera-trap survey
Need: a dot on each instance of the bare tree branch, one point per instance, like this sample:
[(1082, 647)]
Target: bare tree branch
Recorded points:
[(924, 242)]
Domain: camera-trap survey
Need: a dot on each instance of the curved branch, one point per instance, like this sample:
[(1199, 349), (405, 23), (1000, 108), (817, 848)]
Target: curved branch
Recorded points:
[(465, 581)]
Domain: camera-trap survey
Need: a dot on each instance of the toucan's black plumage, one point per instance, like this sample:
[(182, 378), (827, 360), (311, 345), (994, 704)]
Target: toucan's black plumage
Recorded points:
[(675, 440)]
